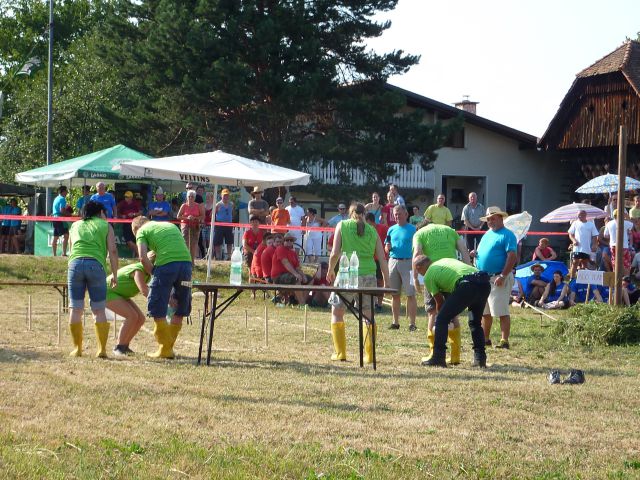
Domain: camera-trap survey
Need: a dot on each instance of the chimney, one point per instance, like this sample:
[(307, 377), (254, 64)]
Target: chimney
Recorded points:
[(467, 105)]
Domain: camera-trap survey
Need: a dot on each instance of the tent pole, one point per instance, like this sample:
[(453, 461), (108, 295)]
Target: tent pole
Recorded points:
[(213, 223)]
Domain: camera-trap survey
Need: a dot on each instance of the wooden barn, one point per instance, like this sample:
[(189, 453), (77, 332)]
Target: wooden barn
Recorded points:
[(584, 131)]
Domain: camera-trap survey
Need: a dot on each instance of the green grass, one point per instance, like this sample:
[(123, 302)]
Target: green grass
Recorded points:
[(286, 411)]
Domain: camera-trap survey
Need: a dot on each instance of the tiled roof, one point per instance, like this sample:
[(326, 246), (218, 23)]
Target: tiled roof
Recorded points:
[(625, 59)]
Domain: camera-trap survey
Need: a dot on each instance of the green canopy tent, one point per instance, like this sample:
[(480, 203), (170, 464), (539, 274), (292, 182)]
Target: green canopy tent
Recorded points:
[(84, 169)]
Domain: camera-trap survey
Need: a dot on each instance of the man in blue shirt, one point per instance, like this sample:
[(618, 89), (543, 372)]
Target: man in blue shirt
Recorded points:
[(10, 228), (398, 245), (496, 255), (106, 199), (60, 229), (160, 209), (86, 195)]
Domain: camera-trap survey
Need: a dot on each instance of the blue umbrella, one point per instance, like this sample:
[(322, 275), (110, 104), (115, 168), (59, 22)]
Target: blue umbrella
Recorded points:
[(607, 184)]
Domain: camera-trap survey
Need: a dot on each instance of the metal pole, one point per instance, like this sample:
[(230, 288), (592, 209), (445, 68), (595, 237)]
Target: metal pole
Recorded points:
[(620, 232), (49, 106)]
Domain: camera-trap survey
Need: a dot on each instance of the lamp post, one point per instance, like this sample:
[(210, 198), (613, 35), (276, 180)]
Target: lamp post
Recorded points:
[(49, 105)]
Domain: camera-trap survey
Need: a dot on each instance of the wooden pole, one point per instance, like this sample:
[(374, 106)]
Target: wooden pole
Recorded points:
[(620, 232), (266, 327), (29, 314), (115, 326), (59, 321), (304, 335), (246, 319)]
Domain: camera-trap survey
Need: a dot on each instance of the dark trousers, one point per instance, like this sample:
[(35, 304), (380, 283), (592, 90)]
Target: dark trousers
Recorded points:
[(473, 239), (471, 292)]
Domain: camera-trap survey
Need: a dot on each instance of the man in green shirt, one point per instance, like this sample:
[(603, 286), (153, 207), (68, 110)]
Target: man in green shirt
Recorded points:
[(172, 267), (466, 288)]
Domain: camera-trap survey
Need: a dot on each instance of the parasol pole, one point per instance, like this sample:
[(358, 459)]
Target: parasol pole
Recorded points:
[(213, 223), (620, 232)]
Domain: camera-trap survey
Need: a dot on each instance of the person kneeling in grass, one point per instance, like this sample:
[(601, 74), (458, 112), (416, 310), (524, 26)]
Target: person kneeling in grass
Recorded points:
[(132, 279)]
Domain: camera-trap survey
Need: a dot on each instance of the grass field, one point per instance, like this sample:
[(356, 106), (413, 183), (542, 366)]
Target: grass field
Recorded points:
[(286, 411)]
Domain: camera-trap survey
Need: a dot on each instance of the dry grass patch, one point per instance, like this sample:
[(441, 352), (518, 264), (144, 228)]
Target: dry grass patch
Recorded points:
[(286, 411)]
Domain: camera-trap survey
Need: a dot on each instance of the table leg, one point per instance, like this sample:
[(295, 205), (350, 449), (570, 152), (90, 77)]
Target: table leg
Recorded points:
[(360, 335), (373, 333), (202, 327), (214, 307)]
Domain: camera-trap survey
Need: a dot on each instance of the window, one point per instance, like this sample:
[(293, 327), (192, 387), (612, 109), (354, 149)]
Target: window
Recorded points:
[(514, 198), (456, 139)]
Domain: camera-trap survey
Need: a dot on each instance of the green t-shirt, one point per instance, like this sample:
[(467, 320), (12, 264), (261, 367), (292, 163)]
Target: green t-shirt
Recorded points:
[(415, 219), (634, 212), (443, 275), (164, 239), (127, 287), (364, 246), (439, 215), (437, 241), (89, 239)]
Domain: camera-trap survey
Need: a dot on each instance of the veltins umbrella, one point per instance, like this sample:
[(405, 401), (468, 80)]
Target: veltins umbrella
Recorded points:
[(568, 213), (519, 224), (607, 184)]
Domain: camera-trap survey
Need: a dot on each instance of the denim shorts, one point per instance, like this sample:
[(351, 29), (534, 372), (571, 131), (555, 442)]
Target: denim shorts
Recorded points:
[(87, 274), (166, 278)]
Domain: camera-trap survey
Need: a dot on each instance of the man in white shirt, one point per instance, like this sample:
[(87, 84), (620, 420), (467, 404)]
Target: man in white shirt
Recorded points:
[(583, 234), (296, 216), (611, 232)]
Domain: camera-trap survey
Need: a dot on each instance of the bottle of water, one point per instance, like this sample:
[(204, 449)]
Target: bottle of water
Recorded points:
[(235, 273), (354, 265), (343, 273)]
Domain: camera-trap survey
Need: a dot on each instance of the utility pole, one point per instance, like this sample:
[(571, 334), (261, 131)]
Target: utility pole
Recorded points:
[(49, 106), (620, 220)]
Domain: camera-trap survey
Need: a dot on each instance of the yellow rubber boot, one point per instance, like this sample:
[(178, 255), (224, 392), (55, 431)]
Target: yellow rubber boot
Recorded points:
[(454, 338), (174, 330), (102, 333), (368, 341), (76, 336), (431, 338), (163, 337), (339, 342)]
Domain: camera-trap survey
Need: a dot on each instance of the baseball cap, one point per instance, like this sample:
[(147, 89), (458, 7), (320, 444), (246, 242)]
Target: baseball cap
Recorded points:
[(224, 191), (159, 191), (342, 205)]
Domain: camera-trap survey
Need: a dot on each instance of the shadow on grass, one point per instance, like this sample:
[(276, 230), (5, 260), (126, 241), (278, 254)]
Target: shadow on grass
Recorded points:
[(517, 368), (16, 356), (430, 373)]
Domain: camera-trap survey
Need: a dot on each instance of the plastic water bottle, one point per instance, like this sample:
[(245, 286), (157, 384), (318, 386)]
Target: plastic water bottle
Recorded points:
[(343, 272), (235, 273), (354, 265)]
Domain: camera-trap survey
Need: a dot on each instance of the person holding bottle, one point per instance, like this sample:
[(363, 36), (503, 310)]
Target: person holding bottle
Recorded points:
[(355, 235)]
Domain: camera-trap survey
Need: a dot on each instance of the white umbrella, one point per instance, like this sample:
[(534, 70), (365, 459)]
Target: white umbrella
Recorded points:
[(607, 184), (215, 168), (568, 213), (519, 224)]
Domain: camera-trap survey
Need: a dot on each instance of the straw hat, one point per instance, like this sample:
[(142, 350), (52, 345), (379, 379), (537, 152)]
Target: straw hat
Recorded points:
[(491, 211), (256, 190)]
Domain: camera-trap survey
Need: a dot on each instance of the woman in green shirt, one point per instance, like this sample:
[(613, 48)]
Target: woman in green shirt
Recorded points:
[(132, 280), (90, 238), (355, 235)]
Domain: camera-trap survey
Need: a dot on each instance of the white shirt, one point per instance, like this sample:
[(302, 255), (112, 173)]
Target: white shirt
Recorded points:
[(611, 231), (295, 213), (583, 233)]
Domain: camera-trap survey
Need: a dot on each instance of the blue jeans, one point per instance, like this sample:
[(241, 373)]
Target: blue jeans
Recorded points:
[(165, 279), (87, 274), (471, 292)]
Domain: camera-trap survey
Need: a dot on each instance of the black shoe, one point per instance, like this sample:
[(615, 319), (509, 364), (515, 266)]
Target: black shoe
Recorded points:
[(432, 362), (575, 377), (478, 363), (394, 326), (121, 350), (503, 344), (412, 328), (554, 377), (487, 342)]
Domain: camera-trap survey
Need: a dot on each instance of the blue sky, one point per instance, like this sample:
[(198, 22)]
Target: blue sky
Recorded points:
[(517, 58)]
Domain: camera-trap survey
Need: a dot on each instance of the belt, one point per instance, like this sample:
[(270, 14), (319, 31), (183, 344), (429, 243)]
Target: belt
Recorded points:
[(401, 258), (473, 278)]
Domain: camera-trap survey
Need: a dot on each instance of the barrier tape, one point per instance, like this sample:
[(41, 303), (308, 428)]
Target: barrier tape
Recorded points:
[(42, 218)]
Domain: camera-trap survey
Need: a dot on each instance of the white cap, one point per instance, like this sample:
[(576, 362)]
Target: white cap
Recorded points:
[(159, 191)]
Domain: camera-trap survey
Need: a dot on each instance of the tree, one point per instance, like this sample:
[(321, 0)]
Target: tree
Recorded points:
[(289, 82)]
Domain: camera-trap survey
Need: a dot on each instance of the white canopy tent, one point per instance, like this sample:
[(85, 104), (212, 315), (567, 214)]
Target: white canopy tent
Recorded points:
[(215, 168)]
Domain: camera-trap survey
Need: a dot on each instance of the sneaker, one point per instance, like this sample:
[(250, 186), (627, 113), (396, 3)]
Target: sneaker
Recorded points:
[(575, 377), (487, 342), (394, 326), (554, 377), (432, 362), (120, 350), (503, 344), (412, 328)]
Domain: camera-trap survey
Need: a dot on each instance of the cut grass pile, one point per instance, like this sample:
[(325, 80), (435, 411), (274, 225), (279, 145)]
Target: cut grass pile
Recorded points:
[(286, 411)]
